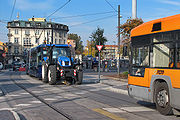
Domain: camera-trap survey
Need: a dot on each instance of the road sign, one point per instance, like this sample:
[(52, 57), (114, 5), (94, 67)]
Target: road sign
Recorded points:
[(4, 54), (99, 47)]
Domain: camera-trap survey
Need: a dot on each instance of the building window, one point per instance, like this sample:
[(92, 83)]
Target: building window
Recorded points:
[(37, 32), (60, 34), (37, 40), (27, 24), (16, 50), (9, 31), (55, 41), (49, 25), (16, 31), (64, 34), (27, 32), (38, 24), (48, 32), (64, 41), (27, 41), (16, 40), (55, 33), (17, 24), (47, 40)]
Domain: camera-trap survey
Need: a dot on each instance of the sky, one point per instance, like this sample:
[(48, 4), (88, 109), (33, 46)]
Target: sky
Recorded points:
[(86, 23)]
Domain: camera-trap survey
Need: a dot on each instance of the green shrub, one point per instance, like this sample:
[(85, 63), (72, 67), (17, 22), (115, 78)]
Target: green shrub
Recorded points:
[(125, 73)]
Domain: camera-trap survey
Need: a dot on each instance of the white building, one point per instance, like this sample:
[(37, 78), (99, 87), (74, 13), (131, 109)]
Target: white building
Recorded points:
[(27, 34)]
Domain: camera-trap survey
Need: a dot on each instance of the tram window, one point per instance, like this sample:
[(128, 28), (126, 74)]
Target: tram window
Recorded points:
[(163, 55), (141, 56), (178, 56)]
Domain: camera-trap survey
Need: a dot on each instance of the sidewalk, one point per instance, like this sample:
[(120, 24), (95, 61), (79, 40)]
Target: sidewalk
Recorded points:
[(112, 81)]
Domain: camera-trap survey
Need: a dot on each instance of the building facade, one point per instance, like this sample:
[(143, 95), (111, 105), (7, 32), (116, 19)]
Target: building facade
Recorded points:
[(24, 35), (3, 50), (110, 52)]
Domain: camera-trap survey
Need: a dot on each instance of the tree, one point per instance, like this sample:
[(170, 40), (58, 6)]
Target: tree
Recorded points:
[(79, 46), (126, 28), (98, 36), (89, 49)]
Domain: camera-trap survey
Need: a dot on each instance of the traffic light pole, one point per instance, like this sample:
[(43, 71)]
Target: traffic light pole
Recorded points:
[(119, 39)]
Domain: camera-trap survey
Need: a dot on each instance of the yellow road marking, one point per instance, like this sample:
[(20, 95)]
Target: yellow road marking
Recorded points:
[(108, 114)]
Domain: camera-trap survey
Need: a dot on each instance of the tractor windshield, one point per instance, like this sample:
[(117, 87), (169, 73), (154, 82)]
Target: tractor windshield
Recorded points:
[(63, 51)]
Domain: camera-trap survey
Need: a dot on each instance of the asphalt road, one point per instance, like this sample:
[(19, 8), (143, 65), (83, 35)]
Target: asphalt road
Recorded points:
[(33, 100)]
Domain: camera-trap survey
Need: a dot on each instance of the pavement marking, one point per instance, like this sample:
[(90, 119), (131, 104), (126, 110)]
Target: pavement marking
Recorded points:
[(70, 96), (24, 93), (7, 108), (12, 95), (108, 114), (137, 109), (50, 99), (35, 102), (80, 93), (95, 89), (116, 90), (37, 91), (18, 105), (114, 110), (16, 116)]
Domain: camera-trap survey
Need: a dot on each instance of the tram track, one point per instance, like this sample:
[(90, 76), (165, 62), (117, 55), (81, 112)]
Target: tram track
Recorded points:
[(61, 112), (69, 91)]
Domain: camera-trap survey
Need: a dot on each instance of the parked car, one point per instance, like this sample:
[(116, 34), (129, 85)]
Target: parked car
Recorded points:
[(1, 66), (22, 67), (16, 66)]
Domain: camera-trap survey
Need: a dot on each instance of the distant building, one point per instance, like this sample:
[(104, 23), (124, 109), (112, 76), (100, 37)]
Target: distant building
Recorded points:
[(27, 34), (71, 42), (110, 52), (3, 50)]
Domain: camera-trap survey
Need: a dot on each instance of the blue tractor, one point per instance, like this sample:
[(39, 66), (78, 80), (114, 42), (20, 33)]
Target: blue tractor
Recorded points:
[(58, 65)]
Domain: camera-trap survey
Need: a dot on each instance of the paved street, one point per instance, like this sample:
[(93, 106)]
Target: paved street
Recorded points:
[(27, 98)]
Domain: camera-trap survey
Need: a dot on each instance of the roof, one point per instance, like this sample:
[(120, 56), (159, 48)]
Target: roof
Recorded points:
[(36, 24), (167, 24)]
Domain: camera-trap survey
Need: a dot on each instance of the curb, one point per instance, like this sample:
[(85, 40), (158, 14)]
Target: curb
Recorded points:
[(117, 79), (9, 114)]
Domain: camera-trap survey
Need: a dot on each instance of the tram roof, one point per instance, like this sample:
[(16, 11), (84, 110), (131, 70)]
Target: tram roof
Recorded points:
[(161, 25)]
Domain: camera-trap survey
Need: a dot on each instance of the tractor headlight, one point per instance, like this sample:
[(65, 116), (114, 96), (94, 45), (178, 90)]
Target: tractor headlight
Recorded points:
[(63, 63), (70, 63)]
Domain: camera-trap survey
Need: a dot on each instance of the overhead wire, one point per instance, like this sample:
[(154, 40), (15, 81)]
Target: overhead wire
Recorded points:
[(58, 9), (93, 20), (111, 5), (12, 9), (85, 15)]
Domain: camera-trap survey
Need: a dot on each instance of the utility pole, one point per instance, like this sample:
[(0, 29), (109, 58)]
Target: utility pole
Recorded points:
[(119, 39), (134, 9)]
